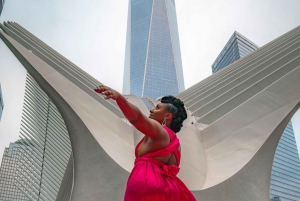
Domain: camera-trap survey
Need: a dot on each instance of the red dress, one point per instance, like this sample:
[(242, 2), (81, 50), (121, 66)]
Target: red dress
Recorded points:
[(152, 180)]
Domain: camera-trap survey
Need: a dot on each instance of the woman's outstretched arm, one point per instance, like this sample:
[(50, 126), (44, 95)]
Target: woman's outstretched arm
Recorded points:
[(144, 124)]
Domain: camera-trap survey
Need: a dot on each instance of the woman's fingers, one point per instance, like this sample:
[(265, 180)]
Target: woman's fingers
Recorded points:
[(108, 92), (101, 89), (104, 91)]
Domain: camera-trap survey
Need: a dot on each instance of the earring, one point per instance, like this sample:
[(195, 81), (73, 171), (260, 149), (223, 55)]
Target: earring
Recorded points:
[(164, 122)]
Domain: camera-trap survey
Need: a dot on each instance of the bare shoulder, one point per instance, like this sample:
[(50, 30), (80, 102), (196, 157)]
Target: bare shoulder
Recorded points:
[(151, 128)]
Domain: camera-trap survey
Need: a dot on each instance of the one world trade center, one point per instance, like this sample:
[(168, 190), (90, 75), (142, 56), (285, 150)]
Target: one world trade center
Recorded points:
[(153, 66)]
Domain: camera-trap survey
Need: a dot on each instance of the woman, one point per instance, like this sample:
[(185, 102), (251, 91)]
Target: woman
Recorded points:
[(153, 177)]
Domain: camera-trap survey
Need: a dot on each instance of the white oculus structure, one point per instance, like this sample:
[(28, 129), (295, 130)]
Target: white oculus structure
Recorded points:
[(235, 120), (285, 173)]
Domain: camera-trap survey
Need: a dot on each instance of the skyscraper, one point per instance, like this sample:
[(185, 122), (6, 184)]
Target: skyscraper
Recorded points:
[(237, 47), (1, 5), (285, 175), (153, 66), (33, 168), (286, 168), (13, 160), (1, 103)]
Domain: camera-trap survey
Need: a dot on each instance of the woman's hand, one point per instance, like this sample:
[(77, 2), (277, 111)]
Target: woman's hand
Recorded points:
[(108, 92)]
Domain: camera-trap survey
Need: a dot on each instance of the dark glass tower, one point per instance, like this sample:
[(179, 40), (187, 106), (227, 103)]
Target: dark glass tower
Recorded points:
[(1, 5), (153, 66), (285, 177), (237, 47), (1, 103)]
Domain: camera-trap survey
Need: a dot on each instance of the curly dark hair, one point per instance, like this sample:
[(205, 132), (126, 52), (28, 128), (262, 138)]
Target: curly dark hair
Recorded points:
[(176, 107)]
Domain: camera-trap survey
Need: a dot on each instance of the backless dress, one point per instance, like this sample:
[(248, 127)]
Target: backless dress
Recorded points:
[(152, 180)]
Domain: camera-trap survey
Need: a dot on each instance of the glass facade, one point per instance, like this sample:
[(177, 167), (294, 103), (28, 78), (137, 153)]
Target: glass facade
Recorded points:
[(237, 47), (153, 66), (1, 103), (276, 198), (1, 6), (37, 165), (285, 177), (12, 159)]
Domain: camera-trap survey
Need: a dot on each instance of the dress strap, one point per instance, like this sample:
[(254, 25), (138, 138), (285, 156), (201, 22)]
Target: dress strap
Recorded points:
[(172, 147), (175, 151)]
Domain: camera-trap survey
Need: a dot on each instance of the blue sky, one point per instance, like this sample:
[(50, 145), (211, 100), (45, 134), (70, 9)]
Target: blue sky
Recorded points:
[(92, 35)]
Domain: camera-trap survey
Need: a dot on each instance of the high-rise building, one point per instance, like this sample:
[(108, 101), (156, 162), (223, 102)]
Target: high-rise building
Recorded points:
[(237, 47), (13, 158), (153, 66), (1, 5), (33, 168), (285, 175), (1, 103)]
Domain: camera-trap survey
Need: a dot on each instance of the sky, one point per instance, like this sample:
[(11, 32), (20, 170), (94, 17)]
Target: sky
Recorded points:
[(92, 34)]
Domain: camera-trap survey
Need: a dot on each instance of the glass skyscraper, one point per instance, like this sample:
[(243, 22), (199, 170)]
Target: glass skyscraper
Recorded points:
[(1, 103), (237, 47), (1, 5), (14, 160), (153, 66), (33, 167), (285, 177)]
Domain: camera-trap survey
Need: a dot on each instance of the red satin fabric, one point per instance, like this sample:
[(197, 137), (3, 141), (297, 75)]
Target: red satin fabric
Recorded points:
[(152, 180)]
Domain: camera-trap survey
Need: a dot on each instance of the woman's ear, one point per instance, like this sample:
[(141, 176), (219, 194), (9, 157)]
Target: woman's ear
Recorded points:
[(169, 116)]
